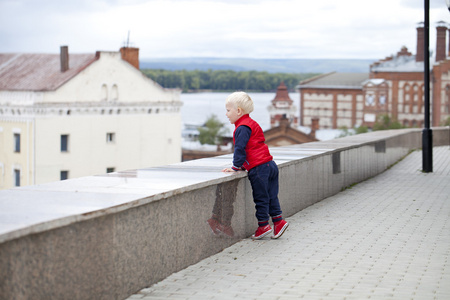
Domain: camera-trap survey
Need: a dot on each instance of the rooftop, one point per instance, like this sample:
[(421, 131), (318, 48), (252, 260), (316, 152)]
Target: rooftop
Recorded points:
[(38, 72), (336, 80), (399, 63)]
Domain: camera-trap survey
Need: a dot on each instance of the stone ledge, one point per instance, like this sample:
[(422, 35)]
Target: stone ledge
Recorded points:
[(110, 235)]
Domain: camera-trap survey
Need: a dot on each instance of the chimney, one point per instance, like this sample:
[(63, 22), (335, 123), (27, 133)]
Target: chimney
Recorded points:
[(441, 31), (130, 55), (284, 121), (420, 55), (64, 56), (314, 127)]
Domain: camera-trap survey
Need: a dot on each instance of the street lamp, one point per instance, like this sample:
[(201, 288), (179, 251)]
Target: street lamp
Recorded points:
[(427, 133)]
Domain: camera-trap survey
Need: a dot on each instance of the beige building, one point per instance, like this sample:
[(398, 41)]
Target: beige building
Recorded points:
[(66, 116)]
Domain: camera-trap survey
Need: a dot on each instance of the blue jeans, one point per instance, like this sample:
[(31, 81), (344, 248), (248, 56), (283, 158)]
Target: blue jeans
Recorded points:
[(264, 182)]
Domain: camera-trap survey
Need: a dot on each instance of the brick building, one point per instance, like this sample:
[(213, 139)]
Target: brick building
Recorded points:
[(284, 122), (394, 85)]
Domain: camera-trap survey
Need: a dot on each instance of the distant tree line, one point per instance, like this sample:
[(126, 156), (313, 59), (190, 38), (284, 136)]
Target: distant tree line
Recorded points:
[(225, 80)]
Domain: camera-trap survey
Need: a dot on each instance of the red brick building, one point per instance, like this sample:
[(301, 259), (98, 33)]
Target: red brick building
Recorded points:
[(394, 85)]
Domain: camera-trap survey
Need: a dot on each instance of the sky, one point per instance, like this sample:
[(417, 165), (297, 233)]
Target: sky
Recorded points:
[(288, 29)]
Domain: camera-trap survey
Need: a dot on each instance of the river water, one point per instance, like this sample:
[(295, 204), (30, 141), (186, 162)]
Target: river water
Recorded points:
[(198, 107)]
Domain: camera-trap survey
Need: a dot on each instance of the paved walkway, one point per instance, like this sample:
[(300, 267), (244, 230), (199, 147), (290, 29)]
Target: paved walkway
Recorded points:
[(385, 238)]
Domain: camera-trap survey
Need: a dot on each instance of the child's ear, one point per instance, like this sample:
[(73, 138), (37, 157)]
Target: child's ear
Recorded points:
[(239, 111)]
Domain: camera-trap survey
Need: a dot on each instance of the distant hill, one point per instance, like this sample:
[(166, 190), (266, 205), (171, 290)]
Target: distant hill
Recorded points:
[(268, 65)]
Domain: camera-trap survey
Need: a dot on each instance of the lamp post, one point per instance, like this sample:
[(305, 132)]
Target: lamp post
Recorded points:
[(427, 133)]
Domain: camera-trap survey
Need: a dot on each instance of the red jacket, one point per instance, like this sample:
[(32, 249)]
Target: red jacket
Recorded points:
[(257, 152)]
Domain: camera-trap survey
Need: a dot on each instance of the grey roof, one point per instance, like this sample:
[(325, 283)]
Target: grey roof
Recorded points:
[(400, 63), (337, 81), (38, 72)]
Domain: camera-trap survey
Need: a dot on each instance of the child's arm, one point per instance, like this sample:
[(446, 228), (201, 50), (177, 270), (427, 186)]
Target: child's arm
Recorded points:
[(241, 137)]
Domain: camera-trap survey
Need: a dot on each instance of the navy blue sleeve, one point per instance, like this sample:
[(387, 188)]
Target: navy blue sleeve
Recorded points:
[(241, 137)]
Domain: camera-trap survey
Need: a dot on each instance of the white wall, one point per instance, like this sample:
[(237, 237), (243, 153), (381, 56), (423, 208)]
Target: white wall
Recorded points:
[(110, 70), (141, 140), (11, 160)]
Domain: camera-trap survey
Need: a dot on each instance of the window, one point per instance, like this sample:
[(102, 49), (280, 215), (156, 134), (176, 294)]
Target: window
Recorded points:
[(110, 137), (104, 92), (447, 97), (2, 174), (64, 142), (369, 100), (16, 177), (115, 92), (64, 175), (110, 170), (17, 142)]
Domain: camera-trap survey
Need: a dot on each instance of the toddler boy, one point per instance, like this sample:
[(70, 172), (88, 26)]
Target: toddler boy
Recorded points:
[(252, 154)]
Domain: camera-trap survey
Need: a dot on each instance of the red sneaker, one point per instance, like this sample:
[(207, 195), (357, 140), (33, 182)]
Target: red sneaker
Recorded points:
[(280, 228), (261, 232)]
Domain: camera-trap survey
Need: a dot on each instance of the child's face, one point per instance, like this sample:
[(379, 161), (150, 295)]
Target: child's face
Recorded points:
[(233, 112)]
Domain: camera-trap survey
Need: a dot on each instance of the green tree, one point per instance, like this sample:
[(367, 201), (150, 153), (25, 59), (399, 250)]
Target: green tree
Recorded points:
[(361, 129), (385, 122), (212, 132), (356, 130), (344, 131), (446, 122), (224, 80)]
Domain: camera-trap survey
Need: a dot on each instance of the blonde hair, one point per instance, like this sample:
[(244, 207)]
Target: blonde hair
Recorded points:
[(241, 100)]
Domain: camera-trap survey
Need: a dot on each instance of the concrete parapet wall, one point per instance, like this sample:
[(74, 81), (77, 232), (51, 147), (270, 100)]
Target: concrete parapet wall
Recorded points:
[(108, 236)]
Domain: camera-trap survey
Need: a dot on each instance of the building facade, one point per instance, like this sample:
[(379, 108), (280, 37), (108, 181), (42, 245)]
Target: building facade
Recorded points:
[(284, 122), (67, 116), (394, 86), (334, 98), (282, 107)]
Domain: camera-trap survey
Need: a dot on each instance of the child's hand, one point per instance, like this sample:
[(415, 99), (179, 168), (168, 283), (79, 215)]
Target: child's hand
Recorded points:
[(227, 170)]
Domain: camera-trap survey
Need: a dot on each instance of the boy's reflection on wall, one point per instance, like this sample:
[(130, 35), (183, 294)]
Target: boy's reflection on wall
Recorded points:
[(222, 212)]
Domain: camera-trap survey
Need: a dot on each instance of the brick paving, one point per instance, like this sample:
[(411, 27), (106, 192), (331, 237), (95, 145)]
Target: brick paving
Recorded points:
[(384, 238)]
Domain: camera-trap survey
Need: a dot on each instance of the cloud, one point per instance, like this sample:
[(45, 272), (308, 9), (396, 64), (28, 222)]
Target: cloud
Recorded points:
[(217, 28)]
